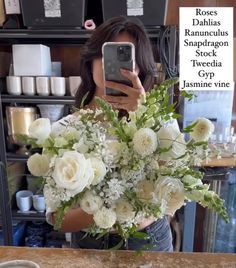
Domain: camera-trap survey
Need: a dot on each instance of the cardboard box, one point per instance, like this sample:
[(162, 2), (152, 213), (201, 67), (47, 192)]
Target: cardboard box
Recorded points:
[(12, 6), (34, 60)]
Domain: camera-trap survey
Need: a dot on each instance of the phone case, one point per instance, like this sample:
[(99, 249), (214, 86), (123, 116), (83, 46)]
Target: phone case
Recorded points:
[(117, 55)]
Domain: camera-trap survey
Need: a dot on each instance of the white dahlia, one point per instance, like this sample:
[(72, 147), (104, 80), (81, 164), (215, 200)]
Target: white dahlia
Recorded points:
[(202, 130), (105, 218), (145, 141), (38, 165)]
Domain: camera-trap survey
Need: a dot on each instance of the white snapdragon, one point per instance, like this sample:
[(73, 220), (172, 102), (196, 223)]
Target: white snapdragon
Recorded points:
[(40, 129), (105, 218), (170, 137), (91, 202), (99, 170), (171, 190), (191, 181), (145, 141), (124, 211), (202, 130), (38, 165), (73, 172)]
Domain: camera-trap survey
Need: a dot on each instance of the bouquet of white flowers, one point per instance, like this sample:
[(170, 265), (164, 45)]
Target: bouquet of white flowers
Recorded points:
[(122, 171)]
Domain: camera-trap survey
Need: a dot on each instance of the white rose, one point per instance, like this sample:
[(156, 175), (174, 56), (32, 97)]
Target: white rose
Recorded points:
[(99, 170), (40, 129), (91, 203), (171, 190), (145, 141), (105, 218), (38, 165), (145, 190), (73, 171), (124, 211), (202, 130), (170, 137)]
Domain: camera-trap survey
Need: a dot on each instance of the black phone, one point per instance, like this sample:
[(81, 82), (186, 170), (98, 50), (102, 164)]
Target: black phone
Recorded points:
[(116, 56)]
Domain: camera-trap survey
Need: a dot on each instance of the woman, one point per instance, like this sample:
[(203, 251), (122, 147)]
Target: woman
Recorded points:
[(118, 29)]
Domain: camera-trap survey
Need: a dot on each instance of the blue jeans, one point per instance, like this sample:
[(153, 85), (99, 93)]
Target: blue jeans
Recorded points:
[(159, 236)]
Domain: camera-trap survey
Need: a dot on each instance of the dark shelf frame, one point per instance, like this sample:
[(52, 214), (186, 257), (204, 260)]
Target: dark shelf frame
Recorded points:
[(6, 98), (36, 216), (55, 36)]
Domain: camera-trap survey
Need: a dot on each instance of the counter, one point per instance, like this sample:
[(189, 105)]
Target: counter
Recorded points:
[(223, 162), (71, 258)]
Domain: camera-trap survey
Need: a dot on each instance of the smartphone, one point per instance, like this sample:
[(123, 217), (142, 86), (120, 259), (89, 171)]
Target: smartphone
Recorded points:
[(116, 56)]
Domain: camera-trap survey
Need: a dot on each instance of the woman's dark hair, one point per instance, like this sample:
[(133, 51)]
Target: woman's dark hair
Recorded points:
[(93, 49)]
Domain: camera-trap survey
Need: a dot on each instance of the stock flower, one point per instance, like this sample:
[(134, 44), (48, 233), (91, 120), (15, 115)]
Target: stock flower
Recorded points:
[(90, 202), (40, 129), (145, 141), (171, 190), (124, 211), (170, 137), (38, 165), (202, 130), (105, 218), (73, 171), (99, 170)]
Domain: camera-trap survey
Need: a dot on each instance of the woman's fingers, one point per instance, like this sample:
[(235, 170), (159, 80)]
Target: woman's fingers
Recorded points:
[(133, 77)]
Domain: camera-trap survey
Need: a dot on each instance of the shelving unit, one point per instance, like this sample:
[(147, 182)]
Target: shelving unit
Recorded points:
[(53, 38)]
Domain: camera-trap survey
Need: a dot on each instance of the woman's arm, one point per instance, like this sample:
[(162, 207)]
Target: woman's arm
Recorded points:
[(75, 220)]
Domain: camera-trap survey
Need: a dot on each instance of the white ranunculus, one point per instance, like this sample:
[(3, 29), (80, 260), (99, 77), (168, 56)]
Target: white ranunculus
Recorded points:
[(73, 171), (202, 130), (145, 141), (145, 190), (170, 137), (171, 190), (105, 218), (99, 169), (191, 181), (40, 129), (91, 203), (114, 148), (38, 165), (124, 211)]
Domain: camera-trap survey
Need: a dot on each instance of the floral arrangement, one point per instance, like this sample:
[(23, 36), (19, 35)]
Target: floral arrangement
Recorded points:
[(122, 171)]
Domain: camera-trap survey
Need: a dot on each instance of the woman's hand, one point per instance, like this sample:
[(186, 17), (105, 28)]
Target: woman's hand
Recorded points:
[(129, 102)]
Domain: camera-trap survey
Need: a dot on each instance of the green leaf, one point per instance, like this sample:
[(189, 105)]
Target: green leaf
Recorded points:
[(118, 246), (140, 235)]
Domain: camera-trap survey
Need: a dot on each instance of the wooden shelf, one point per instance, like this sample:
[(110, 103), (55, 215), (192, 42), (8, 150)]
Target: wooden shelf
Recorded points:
[(223, 162)]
